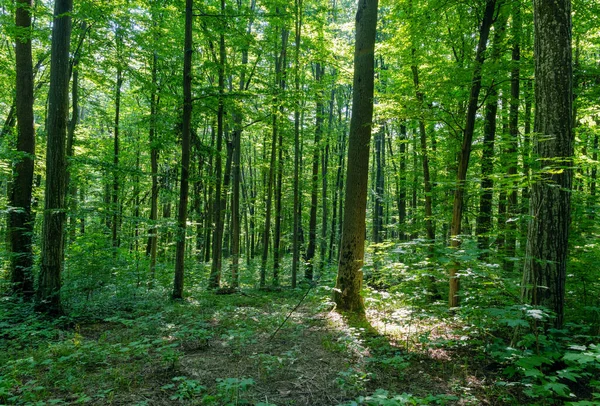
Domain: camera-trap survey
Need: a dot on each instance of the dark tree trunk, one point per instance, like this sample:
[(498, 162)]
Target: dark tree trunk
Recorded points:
[(544, 276), (48, 295), (279, 180), (20, 224), (153, 232), (115, 188), (217, 243), (314, 194), (425, 159), (185, 154), (350, 276), (465, 153), (484, 215), (513, 125), (296, 230)]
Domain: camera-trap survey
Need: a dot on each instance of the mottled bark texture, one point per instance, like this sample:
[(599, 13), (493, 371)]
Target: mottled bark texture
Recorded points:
[(350, 276), (20, 225), (48, 294), (547, 237)]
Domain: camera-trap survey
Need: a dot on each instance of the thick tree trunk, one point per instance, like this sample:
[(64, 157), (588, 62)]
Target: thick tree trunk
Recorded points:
[(185, 154), (20, 224), (465, 153), (544, 276), (350, 276), (48, 294)]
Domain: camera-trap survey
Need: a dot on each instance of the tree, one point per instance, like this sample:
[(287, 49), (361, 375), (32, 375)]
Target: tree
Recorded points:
[(548, 233), (349, 277), (20, 225), (465, 152), (185, 153), (48, 294)]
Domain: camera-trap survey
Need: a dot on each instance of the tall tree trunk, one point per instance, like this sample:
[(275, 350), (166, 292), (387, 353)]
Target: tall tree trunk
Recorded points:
[(278, 184), (425, 158), (465, 153), (72, 186), (349, 278), (544, 276), (324, 165), (337, 195), (379, 184), (115, 188), (153, 232), (513, 125), (296, 230), (185, 153), (217, 243), (48, 294), (484, 215), (314, 194), (20, 224)]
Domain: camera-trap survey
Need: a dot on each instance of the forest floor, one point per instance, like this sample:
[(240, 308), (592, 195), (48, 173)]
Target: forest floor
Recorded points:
[(236, 349)]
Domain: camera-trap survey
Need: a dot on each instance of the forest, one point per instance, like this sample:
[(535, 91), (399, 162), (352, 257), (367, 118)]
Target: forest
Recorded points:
[(308, 202)]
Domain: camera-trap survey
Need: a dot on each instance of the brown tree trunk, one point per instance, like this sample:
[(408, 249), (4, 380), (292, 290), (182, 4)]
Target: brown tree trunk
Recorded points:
[(544, 276), (20, 224), (513, 125), (115, 187), (314, 194), (185, 154), (465, 153), (350, 276), (278, 184), (48, 294), (296, 230), (217, 243)]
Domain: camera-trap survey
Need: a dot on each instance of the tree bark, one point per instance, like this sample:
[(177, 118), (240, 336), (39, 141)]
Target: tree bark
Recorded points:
[(465, 153), (217, 243), (20, 224), (48, 294), (544, 275), (349, 279), (314, 194), (296, 230), (185, 154)]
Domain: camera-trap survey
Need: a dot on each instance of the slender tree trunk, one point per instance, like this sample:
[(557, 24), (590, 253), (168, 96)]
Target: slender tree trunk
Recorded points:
[(297, 219), (545, 274), (324, 164), (72, 186), (153, 232), (312, 225), (349, 278), (20, 224), (48, 294), (463, 162), (115, 188), (512, 208), (278, 185), (185, 153), (425, 159), (484, 215), (217, 243)]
